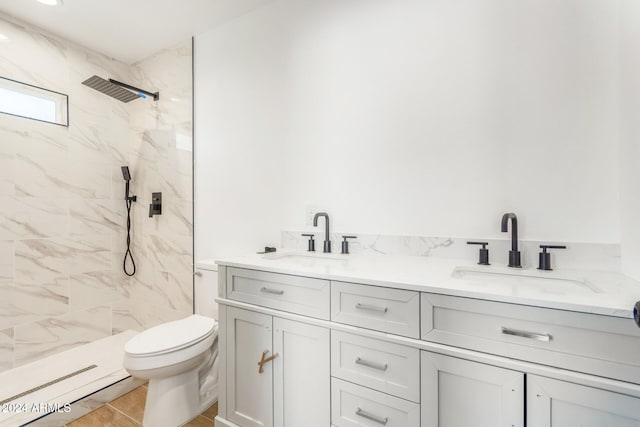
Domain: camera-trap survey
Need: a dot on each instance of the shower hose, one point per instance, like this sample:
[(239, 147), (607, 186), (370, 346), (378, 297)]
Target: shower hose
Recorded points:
[(128, 254)]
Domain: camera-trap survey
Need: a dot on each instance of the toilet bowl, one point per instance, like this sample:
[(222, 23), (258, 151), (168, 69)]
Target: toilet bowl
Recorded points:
[(178, 359)]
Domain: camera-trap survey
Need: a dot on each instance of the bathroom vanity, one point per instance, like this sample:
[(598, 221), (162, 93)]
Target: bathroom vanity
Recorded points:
[(326, 340)]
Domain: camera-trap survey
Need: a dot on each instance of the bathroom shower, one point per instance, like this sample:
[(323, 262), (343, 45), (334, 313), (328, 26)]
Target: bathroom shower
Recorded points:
[(129, 201)]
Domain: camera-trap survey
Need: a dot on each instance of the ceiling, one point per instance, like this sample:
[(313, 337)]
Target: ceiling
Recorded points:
[(128, 30)]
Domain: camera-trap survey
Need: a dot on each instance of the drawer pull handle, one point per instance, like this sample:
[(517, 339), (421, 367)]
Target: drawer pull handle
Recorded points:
[(372, 417), (525, 334), (374, 365), (368, 307), (264, 360), (272, 291)]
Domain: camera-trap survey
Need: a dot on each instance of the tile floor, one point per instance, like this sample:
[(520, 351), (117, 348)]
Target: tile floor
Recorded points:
[(127, 411)]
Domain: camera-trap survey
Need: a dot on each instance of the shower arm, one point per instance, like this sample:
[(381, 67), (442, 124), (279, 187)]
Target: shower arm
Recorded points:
[(156, 95)]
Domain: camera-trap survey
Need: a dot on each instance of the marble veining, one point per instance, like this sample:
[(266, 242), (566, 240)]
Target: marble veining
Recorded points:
[(62, 213), (46, 337), (591, 256), (24, 303), (6, 349)]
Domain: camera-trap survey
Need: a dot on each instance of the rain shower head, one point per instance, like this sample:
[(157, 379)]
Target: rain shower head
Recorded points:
[(125, 173), (118, 90)]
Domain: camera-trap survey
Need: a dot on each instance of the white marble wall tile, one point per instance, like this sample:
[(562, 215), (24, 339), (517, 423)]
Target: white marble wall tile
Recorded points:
[(41, 260), (90, 178), (45, 66), (167, 253), (88, 138), (96, 216), (129, 315), (30, 138), (46, 177), (31, 218), (7, 180), (6, 349), (89, 254), (164, 178), (49, 336), (176, 218), (91, 290), (24, 303), (162, 289), (7, 260)]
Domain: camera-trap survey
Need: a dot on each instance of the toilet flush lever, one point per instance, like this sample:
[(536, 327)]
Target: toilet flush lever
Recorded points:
[(264, 360)]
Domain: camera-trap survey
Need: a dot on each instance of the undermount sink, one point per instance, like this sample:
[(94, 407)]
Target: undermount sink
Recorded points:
[(549, 281), (305, 257)]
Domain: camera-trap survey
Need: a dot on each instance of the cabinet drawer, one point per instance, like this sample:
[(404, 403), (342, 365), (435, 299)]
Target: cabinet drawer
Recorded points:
[(295, 294), (390, 368), (383, 309), (600, 345), (353, 405)]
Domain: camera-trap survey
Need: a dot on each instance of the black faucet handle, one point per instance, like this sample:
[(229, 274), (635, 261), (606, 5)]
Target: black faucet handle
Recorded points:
[(312, 243), (484, 244), (545, 247), (483, 256), (544, 257), (345, 243)]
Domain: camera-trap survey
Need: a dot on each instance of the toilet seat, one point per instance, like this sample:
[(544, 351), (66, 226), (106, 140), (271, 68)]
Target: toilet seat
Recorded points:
[(171, 337)]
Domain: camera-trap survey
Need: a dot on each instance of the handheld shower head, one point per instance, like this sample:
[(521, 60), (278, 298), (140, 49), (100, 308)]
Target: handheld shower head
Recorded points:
[(125, 173)]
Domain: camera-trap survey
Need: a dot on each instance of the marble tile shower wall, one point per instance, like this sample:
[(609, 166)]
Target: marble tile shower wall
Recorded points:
[(62, 213), (160, 136)]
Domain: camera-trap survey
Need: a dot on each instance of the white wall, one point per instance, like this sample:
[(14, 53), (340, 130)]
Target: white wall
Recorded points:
[(413, 116), (630, 137)]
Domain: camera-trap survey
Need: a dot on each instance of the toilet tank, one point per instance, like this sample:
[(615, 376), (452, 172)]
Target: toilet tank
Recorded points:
[(206, 288)]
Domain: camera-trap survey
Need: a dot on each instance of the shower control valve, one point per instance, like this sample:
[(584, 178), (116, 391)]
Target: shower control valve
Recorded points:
[(155, 208)]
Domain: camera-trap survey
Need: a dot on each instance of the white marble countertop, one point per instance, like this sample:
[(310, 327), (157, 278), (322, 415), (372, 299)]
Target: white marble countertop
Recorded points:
[(598, 292)]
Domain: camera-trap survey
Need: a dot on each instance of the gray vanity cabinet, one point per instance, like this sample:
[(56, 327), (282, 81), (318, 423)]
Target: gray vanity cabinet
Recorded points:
[(249, 392), (352, 354), (554, 403), (461, 393), (293, 388)]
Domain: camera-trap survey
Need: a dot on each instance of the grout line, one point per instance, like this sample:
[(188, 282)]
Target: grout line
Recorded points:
[(126, 415)]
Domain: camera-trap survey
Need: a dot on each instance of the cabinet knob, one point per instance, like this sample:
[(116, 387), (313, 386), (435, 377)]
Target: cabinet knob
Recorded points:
[(636, 313), (197, 273)]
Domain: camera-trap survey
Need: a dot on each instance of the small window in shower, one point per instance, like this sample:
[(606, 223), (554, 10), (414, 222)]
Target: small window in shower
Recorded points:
[(32, 102)]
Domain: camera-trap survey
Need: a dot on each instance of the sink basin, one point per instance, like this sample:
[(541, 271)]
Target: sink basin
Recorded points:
[(306, 258), (546, 281)]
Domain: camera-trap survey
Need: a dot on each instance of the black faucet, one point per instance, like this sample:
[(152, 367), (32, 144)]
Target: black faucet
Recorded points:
[(514, 253), (327, 242)]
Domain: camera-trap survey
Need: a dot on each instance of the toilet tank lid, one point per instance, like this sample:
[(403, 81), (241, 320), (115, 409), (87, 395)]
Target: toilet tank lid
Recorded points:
[(207, 264), (171, 335)]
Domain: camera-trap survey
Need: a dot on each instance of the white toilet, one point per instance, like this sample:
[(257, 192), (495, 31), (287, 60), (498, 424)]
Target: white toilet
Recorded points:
[(179, 359)]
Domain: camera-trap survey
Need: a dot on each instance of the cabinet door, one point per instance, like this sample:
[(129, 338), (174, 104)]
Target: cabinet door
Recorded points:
[(460, 393), (249, 393), (302, 387), (554, 403)]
